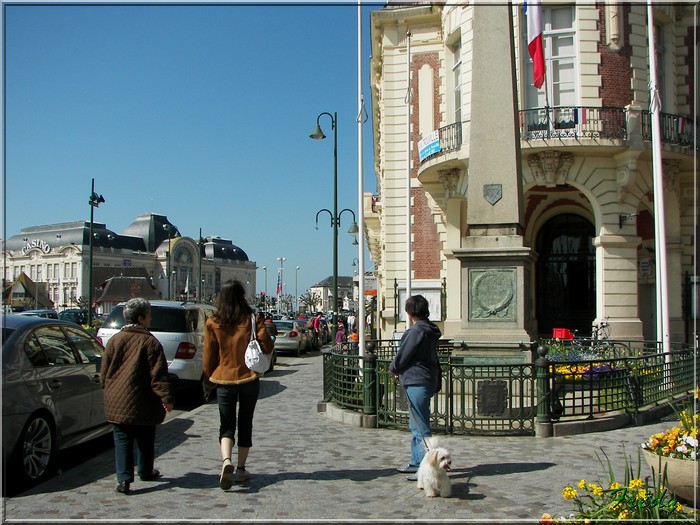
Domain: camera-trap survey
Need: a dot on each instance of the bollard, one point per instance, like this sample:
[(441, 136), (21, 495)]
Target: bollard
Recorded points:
[(544, 406), (369, 382)]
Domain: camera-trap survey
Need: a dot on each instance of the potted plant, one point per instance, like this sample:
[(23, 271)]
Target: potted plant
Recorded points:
[(631, 498), (673, 454)]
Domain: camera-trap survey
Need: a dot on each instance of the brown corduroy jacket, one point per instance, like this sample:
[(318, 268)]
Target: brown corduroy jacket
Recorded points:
[(224, 350), (134, 377)]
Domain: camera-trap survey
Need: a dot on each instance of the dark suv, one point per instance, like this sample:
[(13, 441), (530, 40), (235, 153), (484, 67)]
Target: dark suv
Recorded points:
[(74, 315)]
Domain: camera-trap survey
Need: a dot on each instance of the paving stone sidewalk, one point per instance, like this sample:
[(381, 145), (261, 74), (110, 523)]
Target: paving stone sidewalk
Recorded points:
[(308, 467)]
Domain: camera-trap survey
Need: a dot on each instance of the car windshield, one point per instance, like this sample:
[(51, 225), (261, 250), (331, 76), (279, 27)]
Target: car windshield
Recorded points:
[(162, 319)]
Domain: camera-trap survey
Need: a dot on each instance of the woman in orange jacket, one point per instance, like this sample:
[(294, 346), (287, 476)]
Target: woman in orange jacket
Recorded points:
[(237, 388)]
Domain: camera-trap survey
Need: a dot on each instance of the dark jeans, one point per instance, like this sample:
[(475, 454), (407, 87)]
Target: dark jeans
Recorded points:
[(245, 396), (124, 438)]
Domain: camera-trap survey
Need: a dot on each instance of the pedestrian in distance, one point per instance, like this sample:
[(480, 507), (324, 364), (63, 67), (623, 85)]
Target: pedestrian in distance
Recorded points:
[(137, 393), (340, 337), (317, 343), (226, 338), (417, 368)]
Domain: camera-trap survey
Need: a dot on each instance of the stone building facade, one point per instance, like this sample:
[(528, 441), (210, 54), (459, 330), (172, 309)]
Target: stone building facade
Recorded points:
[(557, 230), (179, 268)]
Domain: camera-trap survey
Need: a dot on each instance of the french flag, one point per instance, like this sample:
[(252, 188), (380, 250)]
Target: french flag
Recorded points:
[(533, 10), (279, 282)]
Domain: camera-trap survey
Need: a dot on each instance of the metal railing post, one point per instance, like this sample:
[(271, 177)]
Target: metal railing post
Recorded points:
[(369, 382), (543, 424)]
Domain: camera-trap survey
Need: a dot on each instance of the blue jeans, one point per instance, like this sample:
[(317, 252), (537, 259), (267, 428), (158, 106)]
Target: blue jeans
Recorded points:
[(419, 419), (124, 438), (245, 396)]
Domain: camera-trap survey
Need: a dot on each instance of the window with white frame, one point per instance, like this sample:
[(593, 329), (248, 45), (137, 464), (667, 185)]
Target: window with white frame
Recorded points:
[(456, 78), (73, 270), (66, 270), (559, 44)]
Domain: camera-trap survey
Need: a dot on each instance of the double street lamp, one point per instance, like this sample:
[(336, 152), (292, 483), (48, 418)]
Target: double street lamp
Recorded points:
[(317, 134), (94, 202)]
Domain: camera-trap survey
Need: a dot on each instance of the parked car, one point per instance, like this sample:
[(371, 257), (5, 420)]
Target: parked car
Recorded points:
[(307, 333), (180, 329), (74, 315), (51, 394), (48, 314), (290, 337)]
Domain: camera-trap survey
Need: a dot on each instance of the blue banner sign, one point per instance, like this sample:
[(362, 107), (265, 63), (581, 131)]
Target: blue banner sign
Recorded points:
[(429, 145)]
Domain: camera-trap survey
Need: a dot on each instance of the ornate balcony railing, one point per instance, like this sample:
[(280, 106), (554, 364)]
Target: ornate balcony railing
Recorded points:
[(573, 122), (675, 129), (450, 140)]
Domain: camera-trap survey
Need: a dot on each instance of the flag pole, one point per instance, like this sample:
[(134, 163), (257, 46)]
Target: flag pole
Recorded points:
[(408, 171), (662, 318), (360, 318)]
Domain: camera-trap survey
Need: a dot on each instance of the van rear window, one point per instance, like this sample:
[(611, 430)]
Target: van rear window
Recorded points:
[(162, 319)]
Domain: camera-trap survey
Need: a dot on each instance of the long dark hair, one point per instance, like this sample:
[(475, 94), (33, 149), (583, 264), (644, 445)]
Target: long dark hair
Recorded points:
[(231, 305)]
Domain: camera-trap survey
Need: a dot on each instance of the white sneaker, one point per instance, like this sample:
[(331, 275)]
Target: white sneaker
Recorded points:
[(241, 475), (226, 474)]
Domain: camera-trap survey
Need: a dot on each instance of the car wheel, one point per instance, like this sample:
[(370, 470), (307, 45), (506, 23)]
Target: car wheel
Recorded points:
[(35, 449), (273, 360)]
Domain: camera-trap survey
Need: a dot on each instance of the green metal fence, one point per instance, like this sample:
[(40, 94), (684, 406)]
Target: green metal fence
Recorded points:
[(490, 395)]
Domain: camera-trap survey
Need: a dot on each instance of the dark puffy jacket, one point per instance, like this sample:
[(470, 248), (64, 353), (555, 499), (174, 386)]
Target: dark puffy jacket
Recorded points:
[(134, 376), (416, 361)]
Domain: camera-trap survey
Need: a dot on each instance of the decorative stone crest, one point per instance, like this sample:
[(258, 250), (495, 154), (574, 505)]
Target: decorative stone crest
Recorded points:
[(491, 294), (550, 168), (493, 193)]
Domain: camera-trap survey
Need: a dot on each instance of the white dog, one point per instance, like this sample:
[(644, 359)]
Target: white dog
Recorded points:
[(432, 473)]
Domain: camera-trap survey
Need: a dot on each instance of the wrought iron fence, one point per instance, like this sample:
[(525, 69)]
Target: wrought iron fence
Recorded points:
[(573, 122), (484, 395), (675, 129)]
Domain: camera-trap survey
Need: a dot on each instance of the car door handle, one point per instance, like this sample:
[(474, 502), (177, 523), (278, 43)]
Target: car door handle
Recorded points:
[(55, 383), (96, 378)]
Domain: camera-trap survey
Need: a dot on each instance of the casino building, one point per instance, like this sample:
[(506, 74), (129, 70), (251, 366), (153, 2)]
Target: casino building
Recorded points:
[(150, 258)]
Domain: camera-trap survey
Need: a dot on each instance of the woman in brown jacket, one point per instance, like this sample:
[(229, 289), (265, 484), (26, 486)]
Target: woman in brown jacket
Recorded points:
[(137, 393), (225, 341)]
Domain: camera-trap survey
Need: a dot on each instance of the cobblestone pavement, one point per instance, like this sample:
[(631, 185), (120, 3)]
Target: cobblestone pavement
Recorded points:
[(308, 467)]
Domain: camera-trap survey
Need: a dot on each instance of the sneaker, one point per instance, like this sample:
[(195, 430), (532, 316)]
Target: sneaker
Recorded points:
[(123, 488), (408, 469), (225, 481), (154, 475), (241, 475), (412, 477)]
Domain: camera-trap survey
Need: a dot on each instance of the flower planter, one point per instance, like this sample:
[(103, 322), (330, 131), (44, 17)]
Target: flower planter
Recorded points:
[(681, 477)]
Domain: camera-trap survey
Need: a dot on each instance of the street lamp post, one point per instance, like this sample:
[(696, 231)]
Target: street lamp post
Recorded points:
[(167, 228), (280, 277), (317, 134), (94, 201), (296, 292), (265, 299)]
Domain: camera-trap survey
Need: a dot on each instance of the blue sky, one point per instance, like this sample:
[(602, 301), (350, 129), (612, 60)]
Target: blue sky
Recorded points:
[(200, 112)]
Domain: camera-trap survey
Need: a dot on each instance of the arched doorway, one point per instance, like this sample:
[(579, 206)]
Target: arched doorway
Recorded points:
[(566, 275)]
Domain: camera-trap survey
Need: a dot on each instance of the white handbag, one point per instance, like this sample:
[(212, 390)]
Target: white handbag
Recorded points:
[(255, 359)]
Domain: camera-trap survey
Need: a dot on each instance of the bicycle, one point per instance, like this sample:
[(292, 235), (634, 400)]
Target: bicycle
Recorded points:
[(599, 345)]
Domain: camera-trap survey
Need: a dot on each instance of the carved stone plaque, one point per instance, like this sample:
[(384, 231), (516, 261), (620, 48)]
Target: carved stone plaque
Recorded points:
[(492, 294), (493, 193), (492, 398)]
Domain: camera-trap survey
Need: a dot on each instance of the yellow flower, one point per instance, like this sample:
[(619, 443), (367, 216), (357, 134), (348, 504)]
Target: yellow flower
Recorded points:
[(614, 506), (569, 492), (623, 515), (642, 494), (679, 507), (615, 485), (582, 484), (597, 490), (636, 484)]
